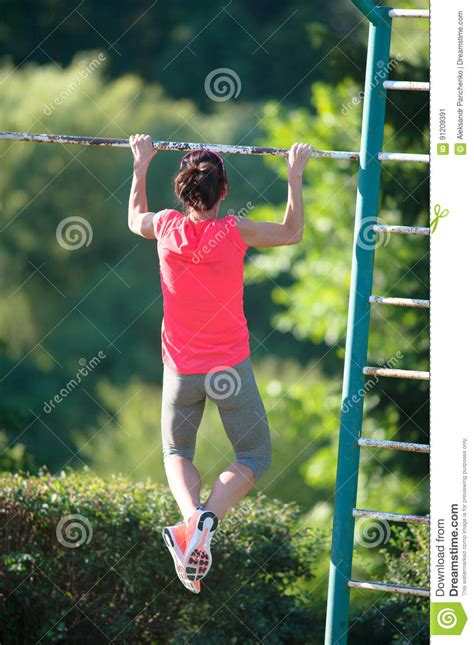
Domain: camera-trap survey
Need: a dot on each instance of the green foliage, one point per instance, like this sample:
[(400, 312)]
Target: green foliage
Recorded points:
[(118, 581), (412, 32), (13, 453), (13, 456), (314, 304), (400, 619), (178, 44), (407, 556)]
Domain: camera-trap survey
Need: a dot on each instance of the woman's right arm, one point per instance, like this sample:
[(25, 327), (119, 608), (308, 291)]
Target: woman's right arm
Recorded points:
[(290, 230), (140, 220)]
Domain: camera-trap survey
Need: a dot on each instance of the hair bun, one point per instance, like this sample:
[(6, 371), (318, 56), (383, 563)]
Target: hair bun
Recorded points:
[(201, 183)]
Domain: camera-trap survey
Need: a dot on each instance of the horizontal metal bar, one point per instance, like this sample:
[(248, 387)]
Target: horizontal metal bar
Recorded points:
[(409, 13), (400, 302), (404, 157), (390, 373), (415, 86), (170, 145), (391, 517), (184, 146), (381, 586), (402, 230), (394, 445)]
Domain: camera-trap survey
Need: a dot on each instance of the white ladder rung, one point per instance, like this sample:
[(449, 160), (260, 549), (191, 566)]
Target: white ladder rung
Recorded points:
[(400, 302), (381, 586), (391, 517), (409, 13), (402, 230), (405, 157), (415, 86), (394, 445), (391, 373)]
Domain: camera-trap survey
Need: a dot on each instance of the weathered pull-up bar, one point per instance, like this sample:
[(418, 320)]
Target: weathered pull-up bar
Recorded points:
[(214, 147), (409, 13)]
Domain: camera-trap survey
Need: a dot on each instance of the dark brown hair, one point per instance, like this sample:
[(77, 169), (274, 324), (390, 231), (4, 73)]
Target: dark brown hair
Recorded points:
[(201, 181)]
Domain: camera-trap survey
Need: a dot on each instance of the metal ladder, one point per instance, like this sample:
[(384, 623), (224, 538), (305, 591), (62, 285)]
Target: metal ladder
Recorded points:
[(360, 302)]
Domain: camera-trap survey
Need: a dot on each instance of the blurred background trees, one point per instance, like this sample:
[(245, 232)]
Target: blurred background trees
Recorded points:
[(301, 70)]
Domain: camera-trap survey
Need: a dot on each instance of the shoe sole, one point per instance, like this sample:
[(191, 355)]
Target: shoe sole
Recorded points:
[(199, 560), (178, 564)]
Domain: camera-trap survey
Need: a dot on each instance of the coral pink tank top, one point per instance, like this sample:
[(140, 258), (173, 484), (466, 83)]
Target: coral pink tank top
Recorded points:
[(201, 271)]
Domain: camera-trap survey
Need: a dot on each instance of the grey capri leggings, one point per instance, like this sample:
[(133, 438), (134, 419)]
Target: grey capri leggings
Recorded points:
[(236, 395)]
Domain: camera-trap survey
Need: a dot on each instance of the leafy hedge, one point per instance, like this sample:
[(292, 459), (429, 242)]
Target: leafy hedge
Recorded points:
[(398, 619), (107, 574)]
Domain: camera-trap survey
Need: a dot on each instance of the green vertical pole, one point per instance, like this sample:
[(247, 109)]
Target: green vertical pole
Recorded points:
[(378, 54)]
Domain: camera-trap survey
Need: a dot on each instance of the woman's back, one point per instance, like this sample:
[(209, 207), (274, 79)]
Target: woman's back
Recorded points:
[(201, 269)]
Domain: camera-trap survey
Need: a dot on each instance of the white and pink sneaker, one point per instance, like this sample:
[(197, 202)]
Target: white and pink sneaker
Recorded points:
[(175, 539), (199, 532)]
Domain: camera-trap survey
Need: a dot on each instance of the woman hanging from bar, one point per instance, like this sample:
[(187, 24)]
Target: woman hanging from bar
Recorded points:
[(205, 340)]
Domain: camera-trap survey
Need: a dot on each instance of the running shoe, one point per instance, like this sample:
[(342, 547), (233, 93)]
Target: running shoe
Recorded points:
[(175, 540), (199, 531)]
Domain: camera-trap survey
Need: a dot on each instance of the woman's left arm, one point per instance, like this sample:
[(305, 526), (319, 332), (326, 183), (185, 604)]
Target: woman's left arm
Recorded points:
[(140, 221)]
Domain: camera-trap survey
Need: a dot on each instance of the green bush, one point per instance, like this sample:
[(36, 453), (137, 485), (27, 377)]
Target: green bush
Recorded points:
[(397, 619), (111, 577)]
